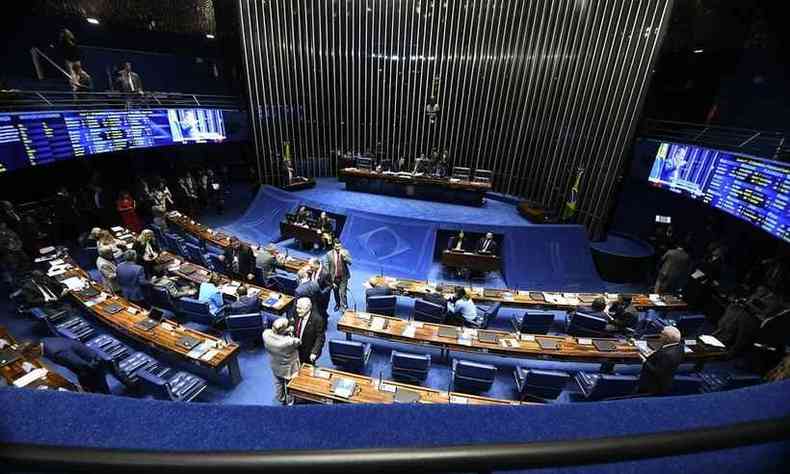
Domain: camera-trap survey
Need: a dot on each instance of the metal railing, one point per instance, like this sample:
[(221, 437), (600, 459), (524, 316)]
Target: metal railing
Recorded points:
[(465, 458), (760, 143), (33, 100)]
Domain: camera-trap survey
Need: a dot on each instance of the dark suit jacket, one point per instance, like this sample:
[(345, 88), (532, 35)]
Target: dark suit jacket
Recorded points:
[(659, 369), (345, 258), (436, 298), (454, 241), (246, 259), (492, 247), (131, 279), (139, 249), (245, 305), (309, 289), (325, 225), (313, 337)]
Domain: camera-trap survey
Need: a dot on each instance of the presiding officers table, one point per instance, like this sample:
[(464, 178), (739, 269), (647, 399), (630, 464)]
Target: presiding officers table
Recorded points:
[(606, 351), (320, 385), (476, 262), (524, 298), (418, 186)]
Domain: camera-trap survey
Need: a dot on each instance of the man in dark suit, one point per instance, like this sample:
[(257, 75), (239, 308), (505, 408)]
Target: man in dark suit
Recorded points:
[(239, 259), (623, 313), (338, 261), (457, 242), (320, 275), (80, 359), (131, 278), (245, 303), (310, 328), (487, 245), (658, 368), (308, 288), (673, 271), (127, 80)]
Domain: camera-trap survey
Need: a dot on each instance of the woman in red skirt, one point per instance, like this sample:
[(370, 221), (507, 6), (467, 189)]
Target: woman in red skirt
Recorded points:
[(127, 208)]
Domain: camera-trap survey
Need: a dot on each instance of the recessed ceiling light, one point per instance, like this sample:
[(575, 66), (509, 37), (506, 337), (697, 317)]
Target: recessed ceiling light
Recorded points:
[(210, 36), (92, 21), (699, 51)]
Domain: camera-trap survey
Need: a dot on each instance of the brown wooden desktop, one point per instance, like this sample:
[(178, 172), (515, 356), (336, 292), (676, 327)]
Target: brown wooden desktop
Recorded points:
[(164, 336), (301, 233), (14, 371), (221, 240), (473, 261), (569, 348), (308, 385), (523, 298)]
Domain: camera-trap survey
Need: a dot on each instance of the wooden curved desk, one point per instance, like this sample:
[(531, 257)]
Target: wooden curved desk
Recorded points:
[(315, 384), (222, 240), (164, 336), (13, 370), (569, 348), (522, 298)]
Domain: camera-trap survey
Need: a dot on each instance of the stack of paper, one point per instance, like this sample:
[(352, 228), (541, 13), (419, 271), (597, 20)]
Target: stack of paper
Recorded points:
[(409, 331), (528, 337), (385, 387), (378, 324), (30, 377), (711, 341), (74, 283), (458, 399)]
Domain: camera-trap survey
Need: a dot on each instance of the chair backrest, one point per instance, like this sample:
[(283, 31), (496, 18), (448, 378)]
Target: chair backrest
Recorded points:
[(585, 324), (413, 362), (775, 330), (191, 239), (476, 370), (427, 311), (193, 253), (381, 304), (610, 386), (490, 314), (462, 173), (378, 291), (690, 324), (287, 284), (482, 176), (153, 385), (536, 322), (193, 306), (740, 381), (547, 384), (346, 349), (184, 386), (160, 298), (244, 321)]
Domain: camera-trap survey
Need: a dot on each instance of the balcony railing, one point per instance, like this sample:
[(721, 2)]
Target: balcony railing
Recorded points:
[(31, 100)]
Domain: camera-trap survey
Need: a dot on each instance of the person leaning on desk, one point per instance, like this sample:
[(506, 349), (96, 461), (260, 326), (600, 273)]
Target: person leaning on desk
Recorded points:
[(460, 305), (659, 366)]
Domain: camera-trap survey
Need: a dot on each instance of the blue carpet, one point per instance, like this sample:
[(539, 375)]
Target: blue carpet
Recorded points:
[(622, 244), (398, 236)]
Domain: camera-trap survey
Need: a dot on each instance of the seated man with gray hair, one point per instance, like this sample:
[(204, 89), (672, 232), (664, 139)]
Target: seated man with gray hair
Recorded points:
[(658, 368), (283, 349)]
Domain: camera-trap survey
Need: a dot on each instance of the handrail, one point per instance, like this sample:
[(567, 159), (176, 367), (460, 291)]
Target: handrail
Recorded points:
[(35, 51), (434, 459), (35, 100)]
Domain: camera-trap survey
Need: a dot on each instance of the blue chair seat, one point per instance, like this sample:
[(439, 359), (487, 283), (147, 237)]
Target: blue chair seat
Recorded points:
[(349, 354), (245, 328), (429, 312), (472, 375), (605, 386), (543, 385), (197, 311), (533, 322), (489, 314), (109, 347), (410, 367), (181, 387)]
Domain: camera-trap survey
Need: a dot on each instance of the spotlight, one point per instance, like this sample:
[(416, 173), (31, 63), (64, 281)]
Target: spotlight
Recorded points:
[(210, 36), (92, 21), (699, 51)]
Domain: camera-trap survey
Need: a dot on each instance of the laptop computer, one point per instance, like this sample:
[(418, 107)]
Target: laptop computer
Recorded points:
[(604, 345), (406, 396), (187, 342), (113, 308), (89, 292), (548, 344), (448, 332), (154, 318), (537, 296), (487, 336)]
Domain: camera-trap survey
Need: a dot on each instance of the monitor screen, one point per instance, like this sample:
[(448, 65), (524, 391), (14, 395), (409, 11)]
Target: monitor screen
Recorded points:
[(752, 189), (663, 219), (40, 138)]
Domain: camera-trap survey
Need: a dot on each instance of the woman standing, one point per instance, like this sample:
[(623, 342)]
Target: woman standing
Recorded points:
[(127, 208), (147, 251)]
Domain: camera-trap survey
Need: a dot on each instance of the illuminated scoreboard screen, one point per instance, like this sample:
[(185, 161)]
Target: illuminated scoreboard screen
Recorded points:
[(752, 189), (34, 139)]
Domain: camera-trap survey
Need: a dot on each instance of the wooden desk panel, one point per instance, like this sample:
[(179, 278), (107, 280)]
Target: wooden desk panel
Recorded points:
[(163, 337), (222, 240), (473, 261), (520, 298), (516, 345), (410, 179), (14, 371), (307, 386), (302, 233)]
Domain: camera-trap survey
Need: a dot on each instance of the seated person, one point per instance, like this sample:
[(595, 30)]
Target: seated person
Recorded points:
[(436, 298), (304, 216), (108, 242), (245, 304), (597, 308), (131, 277), (209, 293), (239, 259), (289, 175), (39, 289), (266, 260), (623, 313), (457, 242), (460, 305), (487, 245), (78, 358), (325, 227), (658, 368), (172, 287)]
